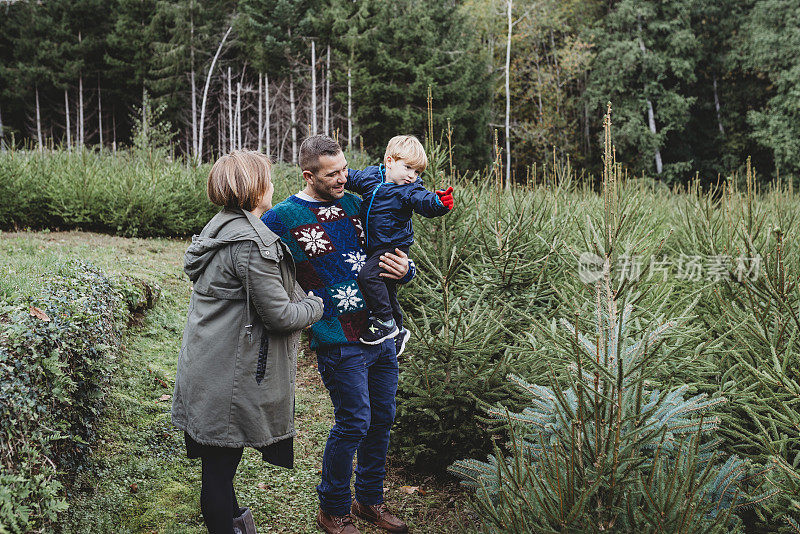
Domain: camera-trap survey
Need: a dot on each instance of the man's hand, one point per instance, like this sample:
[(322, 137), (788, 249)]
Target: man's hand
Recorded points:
[(446, 197), (395, 265)]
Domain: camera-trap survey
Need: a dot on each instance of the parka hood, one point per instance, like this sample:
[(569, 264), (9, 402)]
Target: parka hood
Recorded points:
[(227, 226)]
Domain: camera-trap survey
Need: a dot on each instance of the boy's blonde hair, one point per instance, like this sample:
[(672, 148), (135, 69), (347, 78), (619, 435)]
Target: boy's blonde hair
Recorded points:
[(409, 149), (239, 179)]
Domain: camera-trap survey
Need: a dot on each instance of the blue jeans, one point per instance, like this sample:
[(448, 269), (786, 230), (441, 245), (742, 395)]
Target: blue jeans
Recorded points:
[(362, 381)]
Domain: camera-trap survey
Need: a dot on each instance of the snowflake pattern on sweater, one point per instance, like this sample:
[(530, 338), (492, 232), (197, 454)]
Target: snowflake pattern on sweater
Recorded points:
[(356, 260), (326, 240)]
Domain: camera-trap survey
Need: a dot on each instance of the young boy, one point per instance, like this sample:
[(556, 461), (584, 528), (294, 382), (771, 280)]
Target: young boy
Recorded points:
[(391, 192)]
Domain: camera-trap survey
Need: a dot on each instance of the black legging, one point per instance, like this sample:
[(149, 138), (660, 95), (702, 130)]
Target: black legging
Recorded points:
[(217, 497)]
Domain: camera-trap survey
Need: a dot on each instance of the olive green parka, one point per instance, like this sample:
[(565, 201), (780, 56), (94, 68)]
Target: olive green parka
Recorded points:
[(236, 369)]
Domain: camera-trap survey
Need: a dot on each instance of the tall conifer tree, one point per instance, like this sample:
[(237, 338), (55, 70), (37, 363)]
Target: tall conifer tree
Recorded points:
[(30, 66), (647, 54), (396, 62), (130, 53), (185, 38), (770, 49)]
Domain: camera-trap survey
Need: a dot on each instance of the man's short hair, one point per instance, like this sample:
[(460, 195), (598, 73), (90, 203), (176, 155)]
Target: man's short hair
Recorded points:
[(239, 179), (409, 149), (315, 146)]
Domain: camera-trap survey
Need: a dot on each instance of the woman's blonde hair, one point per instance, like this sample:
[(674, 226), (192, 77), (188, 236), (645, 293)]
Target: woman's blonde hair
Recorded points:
[(239, 179), (409, 149)]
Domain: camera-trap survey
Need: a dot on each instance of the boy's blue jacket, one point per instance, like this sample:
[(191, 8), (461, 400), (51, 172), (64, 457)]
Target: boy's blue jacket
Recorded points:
[(387, 207)]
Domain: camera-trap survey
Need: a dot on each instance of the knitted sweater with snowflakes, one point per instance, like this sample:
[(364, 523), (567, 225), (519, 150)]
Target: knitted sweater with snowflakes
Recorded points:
[(327, 242)]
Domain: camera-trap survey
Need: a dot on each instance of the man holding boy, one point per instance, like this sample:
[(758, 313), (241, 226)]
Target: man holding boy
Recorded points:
[(322, 228), (392, 192)]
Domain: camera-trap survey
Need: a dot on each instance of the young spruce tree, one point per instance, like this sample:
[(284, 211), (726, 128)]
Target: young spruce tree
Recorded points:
[(600, 449)]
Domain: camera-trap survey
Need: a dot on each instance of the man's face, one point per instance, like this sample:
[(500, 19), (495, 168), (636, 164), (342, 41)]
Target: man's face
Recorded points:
[(327, 184)]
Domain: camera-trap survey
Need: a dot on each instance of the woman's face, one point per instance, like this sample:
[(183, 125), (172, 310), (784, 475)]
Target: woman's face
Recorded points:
[(266, 200)]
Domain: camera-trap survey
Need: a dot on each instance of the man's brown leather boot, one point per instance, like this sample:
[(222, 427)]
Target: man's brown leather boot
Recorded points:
[(380, 516), (336, 524)]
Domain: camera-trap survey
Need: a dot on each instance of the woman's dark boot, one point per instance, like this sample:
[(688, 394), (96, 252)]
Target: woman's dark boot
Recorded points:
[(244, 524)]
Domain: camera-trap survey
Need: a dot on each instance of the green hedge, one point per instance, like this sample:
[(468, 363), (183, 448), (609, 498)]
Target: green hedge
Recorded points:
[(57, 351), (129, 193)]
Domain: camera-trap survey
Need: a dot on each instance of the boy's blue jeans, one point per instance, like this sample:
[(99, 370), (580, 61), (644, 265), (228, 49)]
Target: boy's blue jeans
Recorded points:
[(362, 382)]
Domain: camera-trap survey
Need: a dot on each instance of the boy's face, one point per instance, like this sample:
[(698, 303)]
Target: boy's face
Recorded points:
[(399, 172)]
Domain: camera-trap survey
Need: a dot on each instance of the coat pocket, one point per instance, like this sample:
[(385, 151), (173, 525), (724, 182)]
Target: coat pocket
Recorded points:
[(263, 352)]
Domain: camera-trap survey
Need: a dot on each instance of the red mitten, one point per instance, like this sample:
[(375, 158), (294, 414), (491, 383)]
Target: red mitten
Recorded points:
[(446, 197)]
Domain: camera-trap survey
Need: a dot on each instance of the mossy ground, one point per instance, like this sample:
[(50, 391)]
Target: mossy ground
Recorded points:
[(138, 478)]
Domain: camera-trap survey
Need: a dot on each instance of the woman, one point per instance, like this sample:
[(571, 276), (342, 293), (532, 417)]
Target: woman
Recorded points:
[(235, 381)]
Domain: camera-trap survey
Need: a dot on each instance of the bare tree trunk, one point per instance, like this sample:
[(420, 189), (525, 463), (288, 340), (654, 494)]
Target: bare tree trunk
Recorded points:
[(716, 106), (2, 146), (651, 120), (327, 128), (194, 154), (587, 137), (231, 133), (539, 86), (99, 114), (349, 110), (558, 70), (145, 105), (508, 96), (205, 96), (66, 113), (266, 105), (113, 131), (282, 145), (38, 122), (293, 113), (81, 141), (260, 112), (313, 89), (238, 115), (220, 129), (77, 127), (490, 50)]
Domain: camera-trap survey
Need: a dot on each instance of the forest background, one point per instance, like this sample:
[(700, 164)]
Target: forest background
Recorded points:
[(697, 85)]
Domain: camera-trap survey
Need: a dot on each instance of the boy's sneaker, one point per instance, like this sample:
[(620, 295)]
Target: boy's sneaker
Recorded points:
[(400, 341), (377, 331)]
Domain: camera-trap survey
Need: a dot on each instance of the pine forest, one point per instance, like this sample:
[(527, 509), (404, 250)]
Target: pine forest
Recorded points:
[(697, 86)]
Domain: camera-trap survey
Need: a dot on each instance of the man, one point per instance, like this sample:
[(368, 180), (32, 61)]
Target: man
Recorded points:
[(321, 227)]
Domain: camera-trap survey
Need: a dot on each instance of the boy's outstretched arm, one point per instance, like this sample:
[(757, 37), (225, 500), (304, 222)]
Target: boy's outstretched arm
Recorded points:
[(352, 178), (361, 181), (427, 203)]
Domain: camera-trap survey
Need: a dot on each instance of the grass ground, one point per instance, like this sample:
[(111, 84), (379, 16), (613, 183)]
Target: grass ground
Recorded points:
[(138, 478)]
